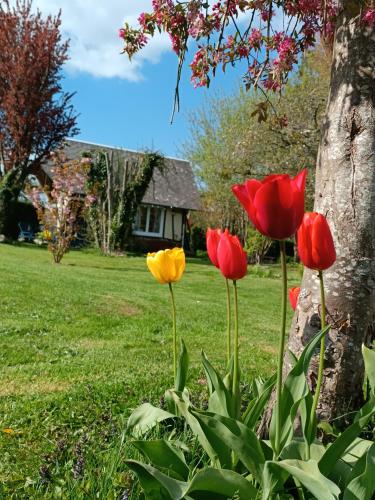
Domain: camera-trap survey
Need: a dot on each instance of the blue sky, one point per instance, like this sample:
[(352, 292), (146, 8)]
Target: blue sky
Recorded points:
[(136, 115), (121, 103)]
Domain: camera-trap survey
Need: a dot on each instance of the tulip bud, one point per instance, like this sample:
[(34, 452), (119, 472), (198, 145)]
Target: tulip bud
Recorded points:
[(315, 243), (232, 258), (212, 242), (293, 296)]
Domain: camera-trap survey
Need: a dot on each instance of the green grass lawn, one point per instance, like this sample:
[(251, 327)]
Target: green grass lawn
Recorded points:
[(84, 342)]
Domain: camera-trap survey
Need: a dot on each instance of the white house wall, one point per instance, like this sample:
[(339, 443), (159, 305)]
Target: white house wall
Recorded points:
[(173, 225)]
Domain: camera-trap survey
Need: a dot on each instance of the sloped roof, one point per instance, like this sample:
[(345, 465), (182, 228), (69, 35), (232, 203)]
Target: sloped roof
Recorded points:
[(174, 187)]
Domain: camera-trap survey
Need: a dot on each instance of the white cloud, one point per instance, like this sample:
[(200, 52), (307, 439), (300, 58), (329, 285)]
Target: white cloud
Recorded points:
[(92, 26)]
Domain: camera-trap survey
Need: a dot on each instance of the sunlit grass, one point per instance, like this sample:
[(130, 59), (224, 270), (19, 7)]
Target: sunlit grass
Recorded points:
[(91, 337)]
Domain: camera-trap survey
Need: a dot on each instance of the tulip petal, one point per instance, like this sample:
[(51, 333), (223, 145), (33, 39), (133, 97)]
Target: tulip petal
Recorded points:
[(252, 186), (245, 194), (241, 193), (212, 241), (274, 209), (154, 267), (300, 179), (177, 257)]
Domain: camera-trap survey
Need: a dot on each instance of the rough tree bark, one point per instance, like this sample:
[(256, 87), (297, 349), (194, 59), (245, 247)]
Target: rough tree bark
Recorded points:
[(345, 193)]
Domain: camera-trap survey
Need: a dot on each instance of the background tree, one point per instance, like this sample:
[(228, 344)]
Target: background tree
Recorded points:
[(35, 114), (228, 143), (345, 180), (61, 207)]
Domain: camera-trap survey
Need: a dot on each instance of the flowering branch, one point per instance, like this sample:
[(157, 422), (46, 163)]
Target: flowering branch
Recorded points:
[(273, 52), (60, 205)]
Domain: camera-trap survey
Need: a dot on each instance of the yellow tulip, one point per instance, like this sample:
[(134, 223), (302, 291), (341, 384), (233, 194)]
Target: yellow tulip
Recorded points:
[(167, 266)]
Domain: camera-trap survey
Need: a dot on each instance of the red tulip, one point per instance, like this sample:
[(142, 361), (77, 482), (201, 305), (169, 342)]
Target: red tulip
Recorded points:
[(293, 296), (212, 241), (231, 257), (315, 243), (275, 205)]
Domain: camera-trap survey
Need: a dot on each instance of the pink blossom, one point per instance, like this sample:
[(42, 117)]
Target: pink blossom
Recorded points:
[(230, 42), (368, 17), (255, 38), (142, 20)]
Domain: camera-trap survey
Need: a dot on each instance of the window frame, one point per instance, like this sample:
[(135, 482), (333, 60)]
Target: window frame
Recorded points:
[(137, 232)]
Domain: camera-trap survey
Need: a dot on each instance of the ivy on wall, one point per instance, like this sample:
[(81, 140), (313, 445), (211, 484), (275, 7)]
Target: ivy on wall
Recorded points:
[(116, 187)]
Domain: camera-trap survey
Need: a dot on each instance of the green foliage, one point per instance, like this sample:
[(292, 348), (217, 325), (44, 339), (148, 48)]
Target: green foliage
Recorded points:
[(256, 245), (261, 395), (10, 188), (305, 473), (182, 368), (145, 417), (369, 358), (197, 238), (295, 390), (343, 469), (361, 482), (210, 483), (166, 457)]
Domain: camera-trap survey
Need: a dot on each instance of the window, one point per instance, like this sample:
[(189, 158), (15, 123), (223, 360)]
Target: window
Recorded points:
[(149, 221)]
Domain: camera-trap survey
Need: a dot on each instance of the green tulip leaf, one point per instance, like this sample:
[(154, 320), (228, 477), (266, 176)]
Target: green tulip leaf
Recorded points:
[(297, 449), (343, 469), (182, 368), (220, 399), (369, 359), (361, 484), (356, 450), (256, 406), (295, 389), (163, 455), (304, 472), (308, 427), (292, 358), (231, 435), (220, 484), (145, 417), (343, 443), (219, 453), (157, 485)]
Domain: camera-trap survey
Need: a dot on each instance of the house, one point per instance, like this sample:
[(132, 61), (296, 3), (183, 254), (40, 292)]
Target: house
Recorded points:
[(162, 217)]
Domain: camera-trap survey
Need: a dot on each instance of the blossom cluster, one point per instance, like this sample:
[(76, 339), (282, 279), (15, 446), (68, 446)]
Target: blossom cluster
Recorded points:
[(269, 55), (368, 17)]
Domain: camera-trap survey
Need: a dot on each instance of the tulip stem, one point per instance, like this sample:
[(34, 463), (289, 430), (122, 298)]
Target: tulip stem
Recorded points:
[(281, 348), (228, 322), (174, 331), (322, 349), (235, 381)]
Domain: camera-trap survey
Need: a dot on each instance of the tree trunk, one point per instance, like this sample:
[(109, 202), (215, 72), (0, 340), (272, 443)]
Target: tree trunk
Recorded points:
[(345, 193), (10, 188)]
